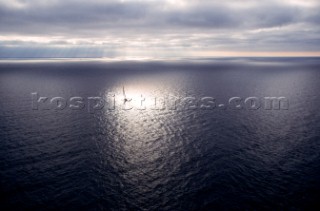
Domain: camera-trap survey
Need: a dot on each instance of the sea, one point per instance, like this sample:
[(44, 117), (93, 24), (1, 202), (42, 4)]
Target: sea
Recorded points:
[(176, 134)]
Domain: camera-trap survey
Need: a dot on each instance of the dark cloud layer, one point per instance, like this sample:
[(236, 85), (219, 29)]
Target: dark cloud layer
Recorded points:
[(212, 25)]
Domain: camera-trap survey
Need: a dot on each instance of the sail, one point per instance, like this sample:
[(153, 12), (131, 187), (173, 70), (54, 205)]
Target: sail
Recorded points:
[(124, 93)]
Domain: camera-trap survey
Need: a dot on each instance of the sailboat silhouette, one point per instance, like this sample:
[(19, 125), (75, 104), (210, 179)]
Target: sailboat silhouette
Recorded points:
[(125, 99)]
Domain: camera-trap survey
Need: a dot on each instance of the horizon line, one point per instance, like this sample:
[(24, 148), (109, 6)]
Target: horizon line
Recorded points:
[(191, 55)]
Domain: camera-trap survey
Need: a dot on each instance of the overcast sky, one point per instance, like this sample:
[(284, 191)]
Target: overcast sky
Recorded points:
[(155, 28)]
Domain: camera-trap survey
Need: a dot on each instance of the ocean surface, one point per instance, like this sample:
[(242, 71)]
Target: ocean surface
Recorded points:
[(87, 148)]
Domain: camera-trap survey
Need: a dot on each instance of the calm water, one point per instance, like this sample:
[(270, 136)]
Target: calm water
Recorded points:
[(160, 159)]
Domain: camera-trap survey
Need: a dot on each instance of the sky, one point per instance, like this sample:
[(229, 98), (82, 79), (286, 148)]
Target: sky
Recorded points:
[(158, 28)]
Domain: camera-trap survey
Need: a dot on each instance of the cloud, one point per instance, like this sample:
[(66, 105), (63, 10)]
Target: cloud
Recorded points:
[(150, 25)]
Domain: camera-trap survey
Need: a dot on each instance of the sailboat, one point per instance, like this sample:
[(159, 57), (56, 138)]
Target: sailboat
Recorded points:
[(125, 99)]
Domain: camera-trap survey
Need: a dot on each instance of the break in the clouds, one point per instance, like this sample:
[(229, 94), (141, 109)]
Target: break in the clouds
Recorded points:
[(155, 28)]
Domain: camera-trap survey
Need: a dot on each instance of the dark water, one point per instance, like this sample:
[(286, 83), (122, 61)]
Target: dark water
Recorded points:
[(160, 159)]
